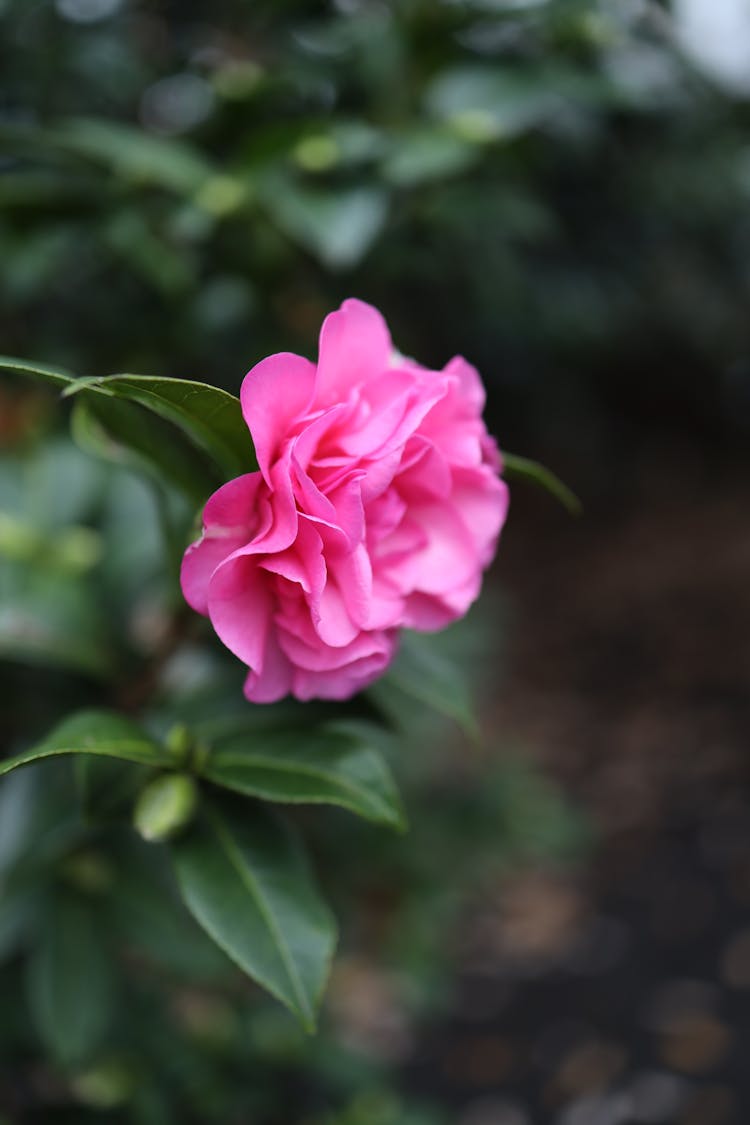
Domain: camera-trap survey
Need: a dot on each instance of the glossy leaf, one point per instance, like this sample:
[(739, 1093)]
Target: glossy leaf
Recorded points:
[(210, 417), (102, 733), (323, 766), (126, 434), (70, 982), (57, 376), (150, 916), (246, 881), (424, 673), (525, 469)]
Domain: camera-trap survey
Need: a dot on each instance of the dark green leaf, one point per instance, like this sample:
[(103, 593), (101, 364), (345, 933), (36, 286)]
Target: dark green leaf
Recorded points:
[(151, 918), (246, 881), (309, 766), (70, 983), (338, 227), (210, 417), (101, 733), (423, 155), (128, 435), (16, 808), (38, 823), (532, 471), (56, 376), (422, 672), (134, 154), (484, 103), (18, 907)]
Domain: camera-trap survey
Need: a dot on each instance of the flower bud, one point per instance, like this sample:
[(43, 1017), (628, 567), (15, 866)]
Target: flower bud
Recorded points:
[(165, 806)]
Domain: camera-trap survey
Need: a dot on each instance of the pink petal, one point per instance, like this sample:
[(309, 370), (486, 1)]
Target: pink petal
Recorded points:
[(275, 394), (315, 657), (427, 613), (239, 605), (281, 524), (229, 518), (470, 382), (274, 679), (233, 508), (331, 618), (482, 500), (355, 346), (428, 477), (302, 562), (447, 559), (345, 682), (353, 576), (198, 565)]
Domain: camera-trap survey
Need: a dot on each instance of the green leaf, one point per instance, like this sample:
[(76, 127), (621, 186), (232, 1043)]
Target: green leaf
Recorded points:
[(16, 816), (70, 983), (246, 881), (132, 154), (212, 442), (323, 766), (424, 673), (105, 787), (150, 916), (423, 155), (128, 435), (56, 376), (102, 733), (18, 906), (487, 103), (338, 227), (532, 471), (210, 417)]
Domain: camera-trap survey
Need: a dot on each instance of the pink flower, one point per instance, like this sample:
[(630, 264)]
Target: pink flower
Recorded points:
[(377, 506)]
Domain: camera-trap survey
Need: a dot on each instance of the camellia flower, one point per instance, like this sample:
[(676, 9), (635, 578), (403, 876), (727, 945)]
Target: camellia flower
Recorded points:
[(377, 507)]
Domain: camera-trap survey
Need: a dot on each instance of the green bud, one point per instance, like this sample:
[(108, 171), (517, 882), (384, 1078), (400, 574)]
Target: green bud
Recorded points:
[(165, 806), (179, 743)]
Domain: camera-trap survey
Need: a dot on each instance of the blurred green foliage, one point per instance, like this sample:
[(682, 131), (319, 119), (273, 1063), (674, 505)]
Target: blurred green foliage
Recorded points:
[(115, 1006), (552, 188)]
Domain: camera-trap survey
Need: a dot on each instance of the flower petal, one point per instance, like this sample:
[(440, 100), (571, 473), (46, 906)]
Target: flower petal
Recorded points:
[(229, 519), (275, 394), (240, 607), (355, 346)]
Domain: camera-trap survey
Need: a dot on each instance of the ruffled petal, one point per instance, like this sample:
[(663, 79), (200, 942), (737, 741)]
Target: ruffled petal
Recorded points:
[(229, 519), (355, 347), (240, 607), (275, 394), (274, 678)]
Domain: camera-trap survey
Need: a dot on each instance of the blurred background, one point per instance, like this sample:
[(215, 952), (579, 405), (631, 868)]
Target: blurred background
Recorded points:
[(560, 191)]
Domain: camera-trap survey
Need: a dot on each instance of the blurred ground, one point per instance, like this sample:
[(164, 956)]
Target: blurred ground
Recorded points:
[(621, 994)]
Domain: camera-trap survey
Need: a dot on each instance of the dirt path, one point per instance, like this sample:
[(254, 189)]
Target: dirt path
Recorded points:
[(621, 994)]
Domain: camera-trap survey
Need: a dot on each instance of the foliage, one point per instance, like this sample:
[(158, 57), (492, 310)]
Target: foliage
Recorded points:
[(182, 188), (151, 731)]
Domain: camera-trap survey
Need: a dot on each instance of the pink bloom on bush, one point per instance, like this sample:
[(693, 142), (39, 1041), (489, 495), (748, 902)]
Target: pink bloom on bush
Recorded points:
[(377, 507)]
